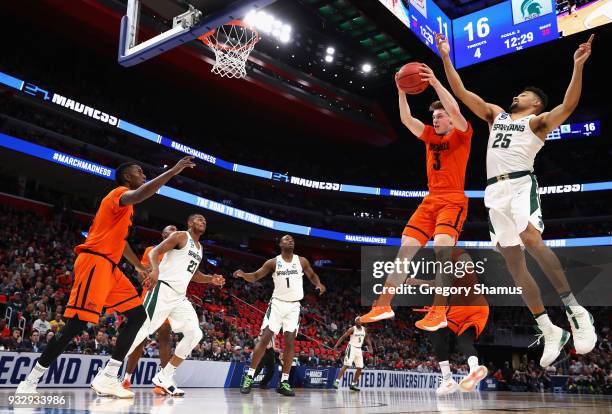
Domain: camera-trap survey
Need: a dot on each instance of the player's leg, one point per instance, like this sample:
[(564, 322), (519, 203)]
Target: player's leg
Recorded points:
[(358, 360), (347, 363), (132, 362), (84, 305), (465, 346), (340, 375), (581, 321), (527, 214), (267, 362), (284, 387), (449, 223), (164, 338), (440, 341), (184, 320), (416, 234)]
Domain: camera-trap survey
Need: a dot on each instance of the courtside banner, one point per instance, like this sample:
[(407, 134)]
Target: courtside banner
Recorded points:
[(380, 379), (77, 371)]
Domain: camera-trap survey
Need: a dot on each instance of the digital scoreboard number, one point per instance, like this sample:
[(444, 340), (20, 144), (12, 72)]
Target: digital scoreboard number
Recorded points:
[(427, 19), (502, 29)]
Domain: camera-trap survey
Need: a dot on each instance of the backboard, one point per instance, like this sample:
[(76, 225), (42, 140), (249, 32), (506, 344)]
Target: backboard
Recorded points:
[(190, 19)]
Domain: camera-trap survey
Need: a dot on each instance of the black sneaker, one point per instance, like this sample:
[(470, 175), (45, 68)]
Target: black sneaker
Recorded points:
[(285, 389), (247, 383), (353, 387)]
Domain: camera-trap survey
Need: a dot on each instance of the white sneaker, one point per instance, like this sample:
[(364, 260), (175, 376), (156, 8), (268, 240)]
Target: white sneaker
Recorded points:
[(554, 340), (104, 385), (27, 387), (447, 387), (167, 384), (581, 322), (471, 381)]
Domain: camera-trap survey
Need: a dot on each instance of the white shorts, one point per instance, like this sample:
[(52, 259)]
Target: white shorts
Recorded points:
[(512, 205), (282, 315), (163, 303), (353, 355)]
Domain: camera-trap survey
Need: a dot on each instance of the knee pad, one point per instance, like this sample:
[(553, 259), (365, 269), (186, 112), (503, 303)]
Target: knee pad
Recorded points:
[(190, 339)]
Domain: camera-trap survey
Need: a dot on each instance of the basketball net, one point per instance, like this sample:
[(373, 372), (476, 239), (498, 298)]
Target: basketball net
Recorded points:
[(232, 44)]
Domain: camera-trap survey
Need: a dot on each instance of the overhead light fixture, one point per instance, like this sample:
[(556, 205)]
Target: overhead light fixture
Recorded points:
[(331, 50), (366, 68), (329, 58)]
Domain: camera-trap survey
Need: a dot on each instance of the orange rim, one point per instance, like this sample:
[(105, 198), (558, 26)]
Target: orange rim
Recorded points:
[(208, 39)]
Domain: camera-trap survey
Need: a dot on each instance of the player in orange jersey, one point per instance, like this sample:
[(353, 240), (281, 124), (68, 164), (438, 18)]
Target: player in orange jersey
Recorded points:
[(164, 331), (99, 283), (442, 212), (467, 318)]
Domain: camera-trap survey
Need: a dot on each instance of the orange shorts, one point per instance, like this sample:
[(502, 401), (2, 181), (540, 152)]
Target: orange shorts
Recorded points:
[(460, 318), (437, 214), (99, 285)]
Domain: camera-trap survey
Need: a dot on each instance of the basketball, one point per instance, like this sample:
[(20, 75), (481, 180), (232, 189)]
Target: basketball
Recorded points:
[(408, 79)]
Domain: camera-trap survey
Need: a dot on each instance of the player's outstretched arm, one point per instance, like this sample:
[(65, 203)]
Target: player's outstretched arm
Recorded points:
[(265, 270), (131, 257), (348, 332), (448, 101), (200, 277), (176, 240), (150, 188), (414, 125), (482, 109), (312, 276), (549, 121)]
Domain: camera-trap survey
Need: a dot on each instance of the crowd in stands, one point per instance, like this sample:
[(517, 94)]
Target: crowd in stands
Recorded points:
[(36, 259)]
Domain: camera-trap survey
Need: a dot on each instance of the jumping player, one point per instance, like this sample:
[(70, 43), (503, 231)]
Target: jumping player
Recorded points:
[(167, 299), (283, 312), (163, 333), (99, 283), (512, 199), (467, 318), (442, 212), (353, 353)]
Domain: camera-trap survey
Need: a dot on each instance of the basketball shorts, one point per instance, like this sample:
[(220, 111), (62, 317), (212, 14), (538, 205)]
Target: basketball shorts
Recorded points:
[(512, 205), (143, 295), (352, 356), (99, 285), (162, 304), (461, 318), (438, 214), (282, 315)]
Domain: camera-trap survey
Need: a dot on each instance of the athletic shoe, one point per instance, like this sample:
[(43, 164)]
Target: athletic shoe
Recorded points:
[(336, 384), (448, 386), (434, 320), (159, 391), (471, 381), (378, 313), (105, 386), (583, 331), (554, 340), (167, 384), (247, 383), (126, 384), (353, 387), (27, 387), (285, 389)]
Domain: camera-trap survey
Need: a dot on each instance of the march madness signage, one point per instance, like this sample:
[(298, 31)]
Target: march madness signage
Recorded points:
[(316, 378)]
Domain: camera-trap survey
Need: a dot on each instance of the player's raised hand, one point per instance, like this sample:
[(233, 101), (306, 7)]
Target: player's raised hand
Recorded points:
[(428, 75), (186, 162), (239, 274), (583, 52), (218, 280), (442, 44)]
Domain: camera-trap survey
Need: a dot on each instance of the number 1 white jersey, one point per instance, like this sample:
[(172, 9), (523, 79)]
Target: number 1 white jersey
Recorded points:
[(288, 279), (512, 146), (179, 265)]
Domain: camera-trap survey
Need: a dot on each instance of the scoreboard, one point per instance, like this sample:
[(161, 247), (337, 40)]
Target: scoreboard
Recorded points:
[(498, 30)]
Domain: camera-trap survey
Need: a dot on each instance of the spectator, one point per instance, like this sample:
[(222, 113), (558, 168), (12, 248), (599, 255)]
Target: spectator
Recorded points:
[(14, 341), (5, 332), (41, 324), (33, 344), (58, 323)]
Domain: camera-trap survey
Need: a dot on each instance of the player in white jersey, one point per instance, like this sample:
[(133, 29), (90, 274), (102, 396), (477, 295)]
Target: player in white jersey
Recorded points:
[(512, 200), (283, 311), (167, 298), (353, 353)]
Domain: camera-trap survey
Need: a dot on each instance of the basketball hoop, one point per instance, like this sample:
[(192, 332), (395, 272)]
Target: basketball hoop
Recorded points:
[(232, 44)]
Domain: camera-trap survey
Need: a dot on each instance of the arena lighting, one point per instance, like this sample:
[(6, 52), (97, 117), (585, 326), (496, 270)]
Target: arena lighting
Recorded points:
[(366, 68), (329, 58), (269, 25), (330, 50)]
